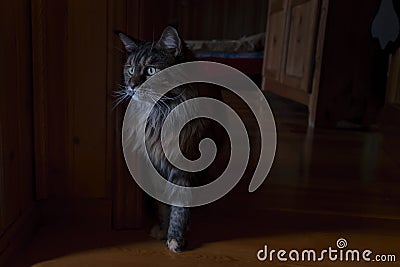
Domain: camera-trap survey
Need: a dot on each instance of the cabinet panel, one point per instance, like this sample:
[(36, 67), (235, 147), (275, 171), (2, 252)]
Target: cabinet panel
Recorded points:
[(393, 85), (302, 20), (275, 39)]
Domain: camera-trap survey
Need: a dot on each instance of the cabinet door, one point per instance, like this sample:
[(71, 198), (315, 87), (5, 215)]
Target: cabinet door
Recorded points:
[(275, 39), (300, 44)]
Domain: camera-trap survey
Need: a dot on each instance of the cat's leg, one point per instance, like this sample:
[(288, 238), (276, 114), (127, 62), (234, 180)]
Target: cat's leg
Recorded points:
[(179, 218), (159, 231)]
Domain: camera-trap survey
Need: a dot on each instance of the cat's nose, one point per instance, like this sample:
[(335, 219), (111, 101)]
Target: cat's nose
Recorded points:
[(132, 84)]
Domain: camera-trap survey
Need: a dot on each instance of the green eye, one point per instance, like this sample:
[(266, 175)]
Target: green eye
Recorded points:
[(131, 70), (150, 71)]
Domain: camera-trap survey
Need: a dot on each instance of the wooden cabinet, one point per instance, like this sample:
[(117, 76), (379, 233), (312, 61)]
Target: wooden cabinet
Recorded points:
[(298, 57), (291, 42), (390, 116), (275, 40), (321, 53)]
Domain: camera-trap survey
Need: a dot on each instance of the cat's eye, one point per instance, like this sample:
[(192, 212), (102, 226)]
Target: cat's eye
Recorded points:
[(131, 71), (150, 71)]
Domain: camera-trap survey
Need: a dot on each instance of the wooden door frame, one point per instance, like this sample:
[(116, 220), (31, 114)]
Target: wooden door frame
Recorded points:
[(319, 50)]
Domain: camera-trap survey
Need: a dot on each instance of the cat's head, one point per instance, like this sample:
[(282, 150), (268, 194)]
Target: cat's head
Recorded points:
[(146, 58)]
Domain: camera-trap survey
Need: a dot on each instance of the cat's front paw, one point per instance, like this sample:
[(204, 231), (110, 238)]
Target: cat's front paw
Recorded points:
[(176, 245), (158, 233)]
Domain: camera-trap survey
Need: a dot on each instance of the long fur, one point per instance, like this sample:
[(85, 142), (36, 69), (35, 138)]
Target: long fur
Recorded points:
[(168, 51)]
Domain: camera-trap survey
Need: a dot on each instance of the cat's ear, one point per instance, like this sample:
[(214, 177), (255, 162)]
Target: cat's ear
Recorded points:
[(129, 43), (170, 40)]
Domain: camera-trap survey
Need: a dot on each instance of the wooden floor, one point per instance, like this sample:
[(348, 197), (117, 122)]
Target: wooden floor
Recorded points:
[(324, 185)]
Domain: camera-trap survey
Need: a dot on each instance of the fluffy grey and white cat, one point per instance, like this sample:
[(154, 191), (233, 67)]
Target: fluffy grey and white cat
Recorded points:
[(145, 59)]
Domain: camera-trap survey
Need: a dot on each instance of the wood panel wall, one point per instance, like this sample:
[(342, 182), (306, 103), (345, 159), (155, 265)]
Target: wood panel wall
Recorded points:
[(16, 113), (70, 41), (127, 204), (16, 126), (77, 64), (86, 87), (50, 107), (201, 19)]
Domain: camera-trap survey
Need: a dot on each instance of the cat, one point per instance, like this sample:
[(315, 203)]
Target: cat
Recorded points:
[(146, 58)]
